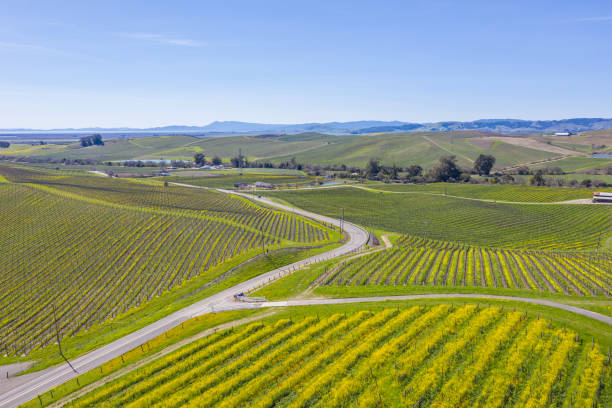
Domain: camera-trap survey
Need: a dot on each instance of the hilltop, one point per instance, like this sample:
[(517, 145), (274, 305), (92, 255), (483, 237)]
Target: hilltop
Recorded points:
[(507, 126)]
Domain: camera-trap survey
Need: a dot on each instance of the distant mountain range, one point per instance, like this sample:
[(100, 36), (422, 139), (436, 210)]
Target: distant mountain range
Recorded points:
[(508, 126)]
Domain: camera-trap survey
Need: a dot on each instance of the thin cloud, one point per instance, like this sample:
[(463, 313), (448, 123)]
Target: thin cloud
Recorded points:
[(163, 39), (35, 49)]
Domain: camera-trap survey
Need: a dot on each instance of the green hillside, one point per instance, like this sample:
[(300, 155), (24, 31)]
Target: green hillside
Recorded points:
[(92, 248), (423, 148), (419, 148), (578, 164)]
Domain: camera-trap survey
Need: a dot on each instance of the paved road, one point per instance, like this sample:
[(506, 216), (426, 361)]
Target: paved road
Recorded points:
[(224, 301), (305, 302), (219, 302)]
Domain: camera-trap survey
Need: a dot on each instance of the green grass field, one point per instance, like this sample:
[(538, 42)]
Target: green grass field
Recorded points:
[(394, 353), (528, 226)]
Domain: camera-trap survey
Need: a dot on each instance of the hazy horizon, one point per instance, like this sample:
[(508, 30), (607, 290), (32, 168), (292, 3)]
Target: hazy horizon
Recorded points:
[(153, 64)]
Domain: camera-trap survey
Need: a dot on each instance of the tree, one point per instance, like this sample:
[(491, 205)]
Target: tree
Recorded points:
[(483, 164), (372, 169), (4, 144), (537, 179), (523, 171), (393, 173), (95, 139), (446, 169), (216, 160), (199, 159), (413, 171)]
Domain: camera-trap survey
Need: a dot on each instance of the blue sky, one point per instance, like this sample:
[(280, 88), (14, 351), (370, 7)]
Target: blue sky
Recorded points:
[(151, 63)]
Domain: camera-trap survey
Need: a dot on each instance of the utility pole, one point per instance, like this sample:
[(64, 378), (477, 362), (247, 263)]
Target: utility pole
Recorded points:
[(240, 159)]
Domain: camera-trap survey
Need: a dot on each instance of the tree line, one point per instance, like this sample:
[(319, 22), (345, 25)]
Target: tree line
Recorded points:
[(446, 170)]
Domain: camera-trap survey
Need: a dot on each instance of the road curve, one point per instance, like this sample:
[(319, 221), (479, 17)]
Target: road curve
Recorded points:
[(224, 301), (218, 302), (307, 302)]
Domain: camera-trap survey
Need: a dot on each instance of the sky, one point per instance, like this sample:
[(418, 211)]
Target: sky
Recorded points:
[(154, 63)]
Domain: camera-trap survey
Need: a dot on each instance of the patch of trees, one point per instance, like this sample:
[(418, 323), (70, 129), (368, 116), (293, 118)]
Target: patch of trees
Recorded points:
[(5, 145), (372, 169), (140, 163), (240, 161), (95, 139), (199, 159), (447, 170), (291, 164), (483, 164), (537, 179), (525, 171)]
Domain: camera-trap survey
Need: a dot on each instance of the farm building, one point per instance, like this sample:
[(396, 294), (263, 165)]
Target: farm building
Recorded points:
[(261, 184), (602, 197)]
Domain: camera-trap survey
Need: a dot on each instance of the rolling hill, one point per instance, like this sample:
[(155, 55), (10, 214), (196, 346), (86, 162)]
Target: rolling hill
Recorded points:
[(422, 148)]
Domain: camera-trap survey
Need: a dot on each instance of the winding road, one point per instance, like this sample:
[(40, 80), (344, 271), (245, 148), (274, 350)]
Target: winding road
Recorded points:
[(218, 302), (224, 300)]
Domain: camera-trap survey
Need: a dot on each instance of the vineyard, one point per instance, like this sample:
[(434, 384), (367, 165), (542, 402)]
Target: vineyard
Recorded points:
[(508, 193), (419, 261), (87, 248), (441, 355), (493, 225)]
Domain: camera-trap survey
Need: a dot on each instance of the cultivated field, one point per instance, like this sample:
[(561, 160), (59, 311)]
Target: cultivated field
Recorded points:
[(493, 225), (418, 261), (442, 356), (88, 248), (508, 193), (402, 149)]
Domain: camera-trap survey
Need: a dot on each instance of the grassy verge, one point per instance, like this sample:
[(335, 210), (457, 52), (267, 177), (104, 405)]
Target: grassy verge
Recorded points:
[(189, 328)]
